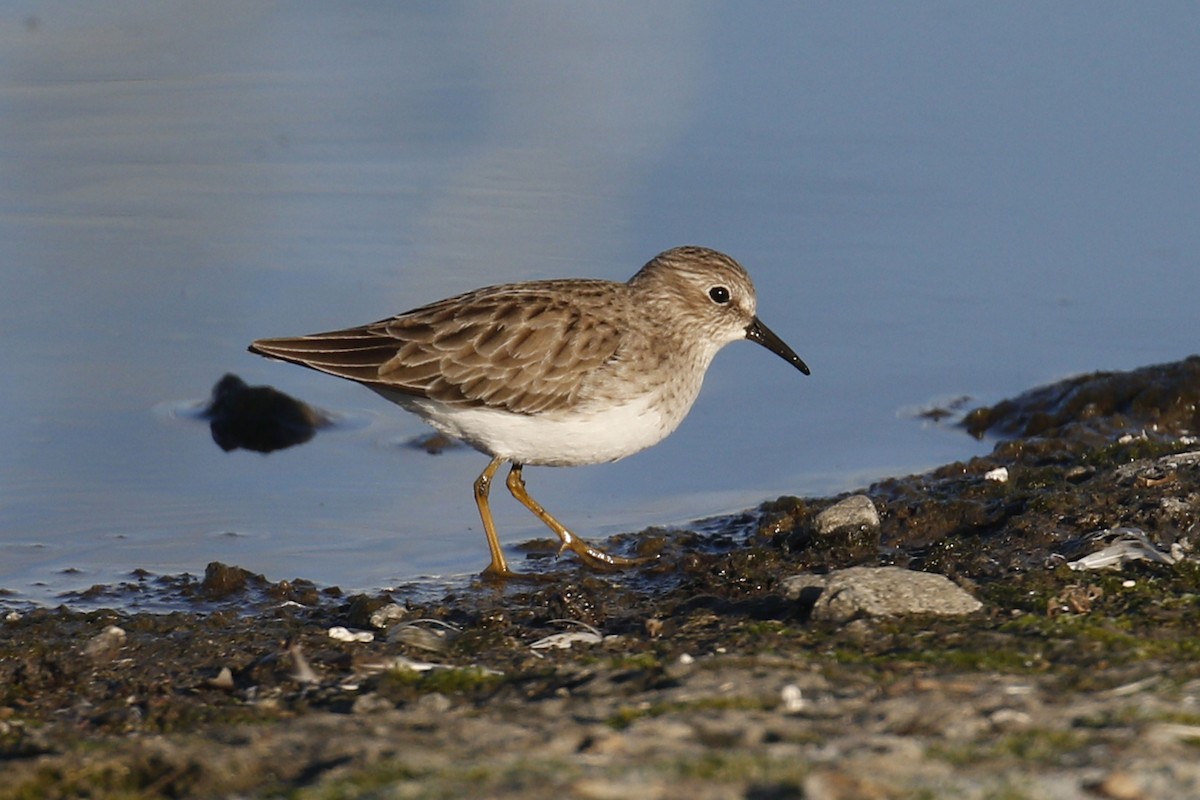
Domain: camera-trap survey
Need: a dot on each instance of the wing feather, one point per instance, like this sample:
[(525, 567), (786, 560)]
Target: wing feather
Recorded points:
[(521, 348)]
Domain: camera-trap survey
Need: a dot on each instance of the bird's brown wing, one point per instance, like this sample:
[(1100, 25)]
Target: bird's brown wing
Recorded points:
[(520, 348)]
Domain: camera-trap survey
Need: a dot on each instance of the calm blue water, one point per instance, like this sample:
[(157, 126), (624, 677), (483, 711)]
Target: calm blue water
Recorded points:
[(934, 199)]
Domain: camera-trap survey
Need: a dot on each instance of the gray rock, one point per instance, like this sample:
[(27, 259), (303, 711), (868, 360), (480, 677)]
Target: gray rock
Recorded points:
[(856, 512), (105, 645), (879, 592)]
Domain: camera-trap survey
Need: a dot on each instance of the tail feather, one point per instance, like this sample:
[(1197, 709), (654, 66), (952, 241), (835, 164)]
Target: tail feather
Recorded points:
[(356, 355)]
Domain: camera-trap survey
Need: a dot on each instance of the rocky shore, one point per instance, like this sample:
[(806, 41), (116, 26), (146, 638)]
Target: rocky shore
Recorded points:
[(1023, 625)]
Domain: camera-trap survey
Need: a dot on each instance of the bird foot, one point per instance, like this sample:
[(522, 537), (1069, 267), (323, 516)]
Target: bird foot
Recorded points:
[(598, 559)]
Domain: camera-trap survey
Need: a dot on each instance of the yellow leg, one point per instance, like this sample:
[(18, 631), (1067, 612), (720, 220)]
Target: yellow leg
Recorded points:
[(592, 556), (483, 484)]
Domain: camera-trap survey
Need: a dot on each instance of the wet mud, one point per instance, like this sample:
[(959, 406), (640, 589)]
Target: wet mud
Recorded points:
[(702, 674)]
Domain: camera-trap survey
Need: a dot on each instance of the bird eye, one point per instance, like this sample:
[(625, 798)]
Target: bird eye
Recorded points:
[(719, 294)]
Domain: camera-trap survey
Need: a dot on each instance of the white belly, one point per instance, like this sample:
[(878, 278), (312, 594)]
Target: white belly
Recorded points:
[(565, 440)]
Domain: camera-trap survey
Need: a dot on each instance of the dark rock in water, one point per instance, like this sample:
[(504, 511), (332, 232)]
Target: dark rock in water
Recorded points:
[(221, 580), (1163, 398), (225, 582), (259, 418)]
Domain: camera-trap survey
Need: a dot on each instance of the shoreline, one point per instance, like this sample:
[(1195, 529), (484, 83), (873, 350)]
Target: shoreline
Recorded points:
[(706, 674)]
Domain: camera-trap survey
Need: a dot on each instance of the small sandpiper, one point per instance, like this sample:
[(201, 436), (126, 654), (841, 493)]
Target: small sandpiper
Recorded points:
[(552, 373)]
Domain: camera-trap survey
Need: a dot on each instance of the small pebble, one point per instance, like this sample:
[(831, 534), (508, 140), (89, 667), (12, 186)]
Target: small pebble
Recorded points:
[(604, 742), (224, 680), (826, 784), (431, 635), (605, 789), (104, 645), (854, 512), (384, 615), (793, 699), (434, 703), (370, 703), (1118, 786)]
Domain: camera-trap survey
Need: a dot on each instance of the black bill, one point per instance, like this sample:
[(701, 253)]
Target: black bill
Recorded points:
[(757, 332)]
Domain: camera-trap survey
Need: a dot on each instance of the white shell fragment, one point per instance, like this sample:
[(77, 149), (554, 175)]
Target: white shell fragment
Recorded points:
[(564, 641), (999, 474), (404, 663), (1130, 544), (343, 634), (793, 699)]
